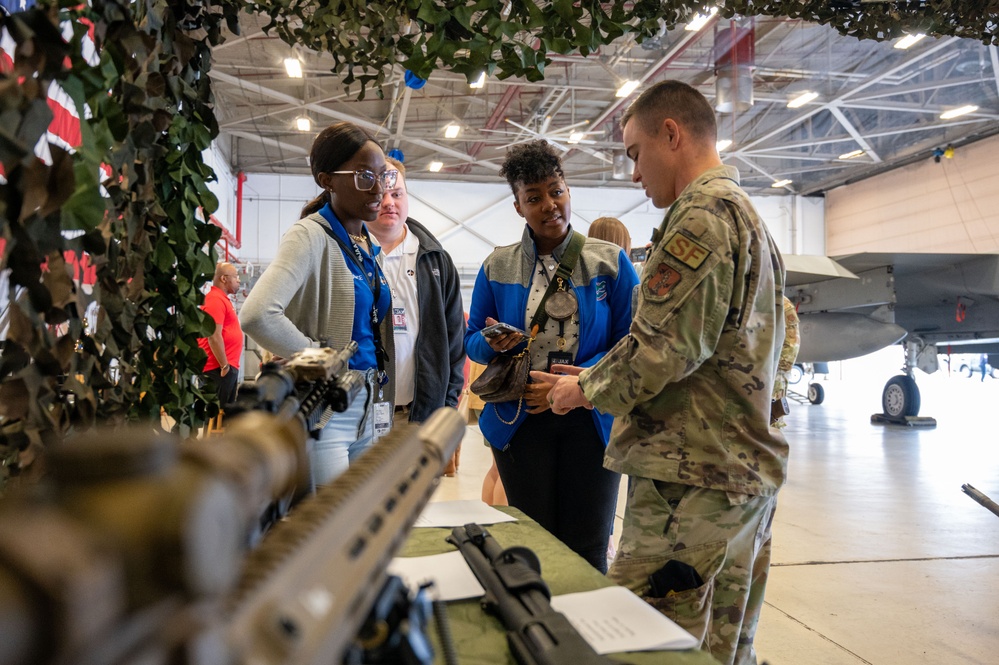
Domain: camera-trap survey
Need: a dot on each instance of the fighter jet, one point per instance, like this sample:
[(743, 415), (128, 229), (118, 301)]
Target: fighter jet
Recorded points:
[(856, 304)]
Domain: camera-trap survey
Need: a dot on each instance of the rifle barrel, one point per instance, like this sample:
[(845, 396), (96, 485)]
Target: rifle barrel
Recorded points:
[(981, 498)]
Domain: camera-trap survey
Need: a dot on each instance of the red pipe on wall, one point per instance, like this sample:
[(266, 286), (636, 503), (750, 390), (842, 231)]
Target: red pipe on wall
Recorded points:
[(240, 179)]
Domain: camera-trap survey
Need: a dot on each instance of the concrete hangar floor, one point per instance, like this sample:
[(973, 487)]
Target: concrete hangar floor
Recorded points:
[(879, 557)]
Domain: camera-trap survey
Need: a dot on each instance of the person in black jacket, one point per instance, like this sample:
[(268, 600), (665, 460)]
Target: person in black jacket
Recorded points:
[(428, 317)]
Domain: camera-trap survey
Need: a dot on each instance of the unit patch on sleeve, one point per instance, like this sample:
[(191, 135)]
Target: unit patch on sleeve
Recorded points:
[(661, 281), (686, 250)]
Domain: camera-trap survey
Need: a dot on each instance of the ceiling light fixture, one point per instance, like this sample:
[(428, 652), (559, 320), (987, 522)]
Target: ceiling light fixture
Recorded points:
[(627, 88), (452, 131), (723, 144), (959, 111), (435, 166), (303, 124), (294, 67), (576, 137), (852, 154), (781, 183), (479, 82), (700, 20), (908, 41), (802, 99)]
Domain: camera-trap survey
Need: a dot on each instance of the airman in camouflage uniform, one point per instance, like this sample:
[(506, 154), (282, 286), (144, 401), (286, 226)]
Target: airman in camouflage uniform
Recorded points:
[(788, 354), (691, 384)]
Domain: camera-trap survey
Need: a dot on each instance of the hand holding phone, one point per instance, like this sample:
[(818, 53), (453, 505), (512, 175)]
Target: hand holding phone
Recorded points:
[(501, 328), (638, 254)]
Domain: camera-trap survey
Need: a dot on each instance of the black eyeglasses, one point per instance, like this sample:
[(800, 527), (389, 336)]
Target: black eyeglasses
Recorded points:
[(365, 180)]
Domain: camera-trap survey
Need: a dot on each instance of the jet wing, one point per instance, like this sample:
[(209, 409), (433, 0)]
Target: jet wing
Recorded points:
[(808, 268), (944, 299)]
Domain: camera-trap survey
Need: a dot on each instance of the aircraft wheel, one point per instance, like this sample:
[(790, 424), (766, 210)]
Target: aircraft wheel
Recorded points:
[(816, 393), (796, 374), (900, 397)]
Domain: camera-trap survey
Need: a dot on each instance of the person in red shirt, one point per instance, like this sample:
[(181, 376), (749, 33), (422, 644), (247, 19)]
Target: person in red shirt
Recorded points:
[(225, 346)]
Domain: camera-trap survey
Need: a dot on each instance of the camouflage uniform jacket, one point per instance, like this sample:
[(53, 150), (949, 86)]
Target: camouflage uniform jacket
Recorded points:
[(788, 350), (691, 383)]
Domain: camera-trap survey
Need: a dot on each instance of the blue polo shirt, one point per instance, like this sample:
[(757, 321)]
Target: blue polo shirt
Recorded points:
[(363, 294)]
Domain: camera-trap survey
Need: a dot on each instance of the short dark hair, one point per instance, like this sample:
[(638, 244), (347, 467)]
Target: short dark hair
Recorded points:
[(333, 146), (676, 100), (531, 162)]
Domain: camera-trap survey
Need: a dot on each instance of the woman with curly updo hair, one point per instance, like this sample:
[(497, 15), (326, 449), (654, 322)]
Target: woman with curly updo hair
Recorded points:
[(552, 466)]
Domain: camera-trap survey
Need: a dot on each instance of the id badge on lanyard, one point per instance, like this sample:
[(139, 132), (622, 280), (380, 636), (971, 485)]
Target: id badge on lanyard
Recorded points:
[(383, 418)]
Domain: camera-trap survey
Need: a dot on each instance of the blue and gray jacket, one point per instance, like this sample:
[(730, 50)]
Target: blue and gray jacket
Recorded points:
[(603, 280)]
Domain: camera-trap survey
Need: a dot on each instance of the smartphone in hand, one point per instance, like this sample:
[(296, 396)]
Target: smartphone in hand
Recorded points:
[(501, 328), (638, 254)]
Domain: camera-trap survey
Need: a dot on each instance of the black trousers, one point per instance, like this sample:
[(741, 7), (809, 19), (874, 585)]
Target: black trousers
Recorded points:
[(553, 471), (225, 386)]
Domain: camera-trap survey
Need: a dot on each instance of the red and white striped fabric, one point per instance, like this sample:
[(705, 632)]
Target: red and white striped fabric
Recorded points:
[(64, 129)]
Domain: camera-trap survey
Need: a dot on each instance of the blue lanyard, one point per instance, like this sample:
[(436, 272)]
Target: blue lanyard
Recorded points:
[(376, 289)]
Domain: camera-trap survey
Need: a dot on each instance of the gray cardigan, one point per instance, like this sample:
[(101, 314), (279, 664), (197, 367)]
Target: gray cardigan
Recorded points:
[(305, 297)]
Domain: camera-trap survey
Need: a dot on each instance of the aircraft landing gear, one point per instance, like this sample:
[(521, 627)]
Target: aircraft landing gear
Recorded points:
[(900, 397), (815, 392)]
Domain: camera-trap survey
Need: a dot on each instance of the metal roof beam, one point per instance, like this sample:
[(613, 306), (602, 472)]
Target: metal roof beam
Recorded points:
[(263, 140), (374, 128), (845, 97), (852, 131), (929, 86), (994, 57), (464, 225)]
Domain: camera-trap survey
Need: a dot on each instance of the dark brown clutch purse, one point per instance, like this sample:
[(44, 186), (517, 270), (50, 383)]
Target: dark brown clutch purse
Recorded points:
[(504, 379)]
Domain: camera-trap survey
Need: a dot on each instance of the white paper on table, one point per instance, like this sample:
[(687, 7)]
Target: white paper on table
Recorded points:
[(614, 619), (452, 578), (460, 513)]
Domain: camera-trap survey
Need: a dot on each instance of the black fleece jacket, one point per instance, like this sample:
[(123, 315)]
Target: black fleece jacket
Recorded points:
[(440, 345)]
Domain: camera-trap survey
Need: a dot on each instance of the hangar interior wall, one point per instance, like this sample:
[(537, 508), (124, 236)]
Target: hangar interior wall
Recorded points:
[(927, 207), (224, 189), (470, 219)]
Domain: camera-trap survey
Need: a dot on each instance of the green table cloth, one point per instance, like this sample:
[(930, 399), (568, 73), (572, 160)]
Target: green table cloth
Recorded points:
[(480, 638)]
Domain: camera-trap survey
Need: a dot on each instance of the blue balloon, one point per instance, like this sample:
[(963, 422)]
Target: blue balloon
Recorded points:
[(395, 153), (413, 81)]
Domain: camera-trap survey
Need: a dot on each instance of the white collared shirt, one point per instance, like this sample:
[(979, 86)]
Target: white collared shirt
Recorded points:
[(400, 270)]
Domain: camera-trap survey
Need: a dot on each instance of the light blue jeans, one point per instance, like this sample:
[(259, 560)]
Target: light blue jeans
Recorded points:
[(345, 437)]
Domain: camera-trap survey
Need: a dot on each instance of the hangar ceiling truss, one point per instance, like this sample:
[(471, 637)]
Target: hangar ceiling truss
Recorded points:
[(881, 103)]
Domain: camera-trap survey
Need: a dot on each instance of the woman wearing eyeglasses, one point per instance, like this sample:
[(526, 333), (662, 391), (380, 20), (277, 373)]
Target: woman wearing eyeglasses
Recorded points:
[(325, 288)]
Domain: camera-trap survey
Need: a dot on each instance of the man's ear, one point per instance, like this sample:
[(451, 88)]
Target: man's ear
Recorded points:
[(516, 204), (670, 132)]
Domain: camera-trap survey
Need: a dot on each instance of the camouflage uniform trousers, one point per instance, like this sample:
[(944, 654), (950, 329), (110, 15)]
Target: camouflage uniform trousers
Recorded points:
[(725, 536)]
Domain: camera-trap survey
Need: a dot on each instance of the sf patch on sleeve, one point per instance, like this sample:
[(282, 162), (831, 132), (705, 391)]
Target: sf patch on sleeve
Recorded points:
[(687, 250), (690, 254)]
